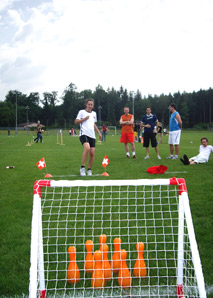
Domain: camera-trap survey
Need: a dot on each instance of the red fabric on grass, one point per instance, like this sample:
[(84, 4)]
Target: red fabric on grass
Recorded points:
[(157, 169)]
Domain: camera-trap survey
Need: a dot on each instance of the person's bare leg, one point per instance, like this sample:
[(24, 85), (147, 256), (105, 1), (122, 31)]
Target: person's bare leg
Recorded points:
[(156, 150), (91, 157), (132, 147), (126, 147), (85, 153), (191, 162), (171, 149), (176, 149), (147, 151)]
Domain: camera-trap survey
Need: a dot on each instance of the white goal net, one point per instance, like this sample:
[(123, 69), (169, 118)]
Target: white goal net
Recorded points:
[(155, 212)]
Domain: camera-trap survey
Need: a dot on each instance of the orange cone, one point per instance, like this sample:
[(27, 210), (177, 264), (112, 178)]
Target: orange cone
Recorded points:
[(140, 266), (97, 280), (89, 260), (124, 276), (73, 273), (116, 261), (105, 262)]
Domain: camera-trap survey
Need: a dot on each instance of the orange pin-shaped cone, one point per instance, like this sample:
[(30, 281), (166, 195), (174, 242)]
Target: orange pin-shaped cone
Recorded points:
[(116, 261), (97, 280), (124, 276), (102, 239), (105, 262), (73, 273), (140, 266), (89, 263)]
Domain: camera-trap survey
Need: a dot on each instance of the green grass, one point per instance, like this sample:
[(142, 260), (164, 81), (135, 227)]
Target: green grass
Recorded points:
[(63, 162)]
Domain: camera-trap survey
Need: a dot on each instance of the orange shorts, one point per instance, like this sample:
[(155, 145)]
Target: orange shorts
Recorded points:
[(127, 138)]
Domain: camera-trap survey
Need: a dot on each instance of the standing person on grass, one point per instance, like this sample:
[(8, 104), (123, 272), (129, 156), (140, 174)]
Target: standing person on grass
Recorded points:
[(127, 135), (149, 122), (87, 119), (175, 127)]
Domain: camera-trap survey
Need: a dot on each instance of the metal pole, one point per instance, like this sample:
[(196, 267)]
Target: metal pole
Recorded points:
[(99, 108), (133, 102), (16, 116), (27, 108), (133, 108)]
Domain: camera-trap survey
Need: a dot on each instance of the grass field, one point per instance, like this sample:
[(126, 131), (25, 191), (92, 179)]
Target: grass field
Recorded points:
[(63, 162)]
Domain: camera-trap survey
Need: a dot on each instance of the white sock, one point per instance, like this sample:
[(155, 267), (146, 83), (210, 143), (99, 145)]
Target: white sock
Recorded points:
[(127, 153), (133, 153)]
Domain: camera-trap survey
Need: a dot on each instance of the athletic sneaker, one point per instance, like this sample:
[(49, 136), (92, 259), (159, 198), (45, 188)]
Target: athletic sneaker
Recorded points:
[(186, 160), (89, 172), (175, 157), (146, 157), (170, 157), (134, 156), (158, 157), (82, 172), (127, 156)]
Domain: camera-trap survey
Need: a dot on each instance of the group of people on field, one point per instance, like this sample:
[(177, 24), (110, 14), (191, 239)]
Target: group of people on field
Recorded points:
[(87, 119)]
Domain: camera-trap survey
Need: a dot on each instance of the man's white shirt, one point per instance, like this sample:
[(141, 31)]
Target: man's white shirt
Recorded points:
[(205, 151), (87, 126)]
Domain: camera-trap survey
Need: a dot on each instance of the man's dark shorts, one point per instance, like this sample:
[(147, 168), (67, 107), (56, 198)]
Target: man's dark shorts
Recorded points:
[(86, 139), (149, 136)]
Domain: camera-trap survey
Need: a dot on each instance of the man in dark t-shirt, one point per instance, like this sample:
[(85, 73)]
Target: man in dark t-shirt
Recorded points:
[(149, 122)]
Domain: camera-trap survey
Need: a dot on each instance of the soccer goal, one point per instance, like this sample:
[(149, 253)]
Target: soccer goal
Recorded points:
[(155, 212), (112, 130)]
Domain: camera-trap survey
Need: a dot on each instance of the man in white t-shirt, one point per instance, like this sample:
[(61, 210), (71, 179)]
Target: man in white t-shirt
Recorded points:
[(87, 119), (204, 152)]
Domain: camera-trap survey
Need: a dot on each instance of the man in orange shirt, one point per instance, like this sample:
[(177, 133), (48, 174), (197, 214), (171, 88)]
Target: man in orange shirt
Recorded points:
[(127, 135)]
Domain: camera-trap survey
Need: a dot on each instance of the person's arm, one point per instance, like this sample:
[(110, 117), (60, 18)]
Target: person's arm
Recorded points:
[(122, 122), (78, 121), (145, 125), (177, 116), (97, 130)]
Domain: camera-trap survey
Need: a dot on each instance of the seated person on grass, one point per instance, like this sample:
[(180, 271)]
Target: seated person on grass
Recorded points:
[(203, 156)]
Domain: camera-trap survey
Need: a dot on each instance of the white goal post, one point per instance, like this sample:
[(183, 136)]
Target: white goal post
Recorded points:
[(112, 130), (153, 211)]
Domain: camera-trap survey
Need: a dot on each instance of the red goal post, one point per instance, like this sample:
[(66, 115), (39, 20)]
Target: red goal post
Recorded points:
[(42, 188)]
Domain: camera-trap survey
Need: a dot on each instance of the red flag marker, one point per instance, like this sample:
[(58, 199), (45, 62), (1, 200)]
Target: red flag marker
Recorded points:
[(41, 164), (105, 163)]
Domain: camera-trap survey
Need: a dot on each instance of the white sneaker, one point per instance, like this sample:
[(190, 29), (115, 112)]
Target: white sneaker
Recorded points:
[(170, 157), (146, 157), (158, 157), (89, 173), (82, 172), (175, 157)]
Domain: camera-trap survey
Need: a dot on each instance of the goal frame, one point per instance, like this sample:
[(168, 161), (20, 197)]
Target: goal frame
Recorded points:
[(37, 278)]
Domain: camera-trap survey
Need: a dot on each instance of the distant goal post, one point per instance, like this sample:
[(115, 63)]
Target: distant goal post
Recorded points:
[(153, 211), (112, 130)]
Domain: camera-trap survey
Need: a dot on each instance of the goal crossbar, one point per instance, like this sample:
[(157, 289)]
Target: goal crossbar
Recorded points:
[(184, 276)]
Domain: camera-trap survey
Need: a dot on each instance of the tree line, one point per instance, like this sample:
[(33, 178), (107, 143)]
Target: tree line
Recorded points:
[(196, 108)]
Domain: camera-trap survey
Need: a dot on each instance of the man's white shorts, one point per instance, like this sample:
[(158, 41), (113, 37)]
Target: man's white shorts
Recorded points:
[(199, 159), (174, 137)]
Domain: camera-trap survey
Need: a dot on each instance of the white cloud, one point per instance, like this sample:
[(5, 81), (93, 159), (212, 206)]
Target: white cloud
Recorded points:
[(155, 46)]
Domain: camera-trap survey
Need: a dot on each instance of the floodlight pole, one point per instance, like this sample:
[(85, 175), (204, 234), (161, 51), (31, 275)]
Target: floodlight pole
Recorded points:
[(133, 103), (27, 108), (99, 109), (16, 116)]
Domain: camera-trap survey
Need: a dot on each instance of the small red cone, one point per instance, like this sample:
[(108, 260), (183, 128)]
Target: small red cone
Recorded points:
[(48, 176), (105, 174)]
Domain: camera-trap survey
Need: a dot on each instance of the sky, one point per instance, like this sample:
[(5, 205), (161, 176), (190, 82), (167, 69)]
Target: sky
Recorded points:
[(154, 46)]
